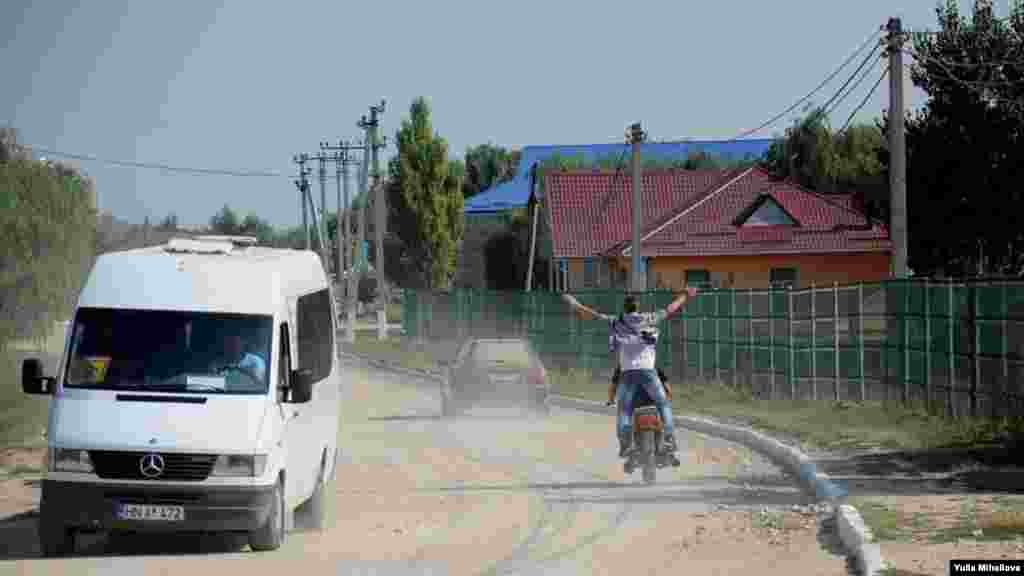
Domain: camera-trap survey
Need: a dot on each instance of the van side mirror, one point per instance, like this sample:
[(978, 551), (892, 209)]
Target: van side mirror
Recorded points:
[(32, 379), (301, 386)]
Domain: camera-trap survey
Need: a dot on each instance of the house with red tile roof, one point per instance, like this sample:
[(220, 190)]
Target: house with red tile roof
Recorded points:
[(738, 228)]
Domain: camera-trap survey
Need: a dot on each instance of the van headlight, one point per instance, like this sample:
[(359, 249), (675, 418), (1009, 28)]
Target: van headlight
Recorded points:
[(67, 460), (240, 465)]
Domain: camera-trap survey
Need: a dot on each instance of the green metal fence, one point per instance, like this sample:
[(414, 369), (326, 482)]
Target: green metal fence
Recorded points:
[(955, 347)]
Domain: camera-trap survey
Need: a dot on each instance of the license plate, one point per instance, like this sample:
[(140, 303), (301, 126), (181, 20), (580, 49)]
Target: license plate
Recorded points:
[(149, 512)]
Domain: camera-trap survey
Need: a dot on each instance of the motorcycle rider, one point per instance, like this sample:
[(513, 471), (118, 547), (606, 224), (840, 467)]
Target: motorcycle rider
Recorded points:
[(632, 340)]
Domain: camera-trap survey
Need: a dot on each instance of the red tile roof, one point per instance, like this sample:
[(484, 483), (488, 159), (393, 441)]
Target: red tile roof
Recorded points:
[(591, 210), (693, 213)]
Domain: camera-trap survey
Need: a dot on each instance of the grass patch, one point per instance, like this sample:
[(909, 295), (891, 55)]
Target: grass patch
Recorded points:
[(393, 312), (405, 353), (1003, 521), (19, 470), (887, 523), (22, 417)]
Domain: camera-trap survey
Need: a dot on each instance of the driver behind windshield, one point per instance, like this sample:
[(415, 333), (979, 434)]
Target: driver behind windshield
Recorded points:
[(235, 359)]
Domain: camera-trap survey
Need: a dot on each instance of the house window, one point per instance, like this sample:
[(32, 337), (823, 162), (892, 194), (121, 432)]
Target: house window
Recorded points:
[(698, 278), (783, 278), (769, 213), (589, 273), (563, 276)]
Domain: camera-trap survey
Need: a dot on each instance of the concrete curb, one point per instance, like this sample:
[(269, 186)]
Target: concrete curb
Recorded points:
[(856, 538)]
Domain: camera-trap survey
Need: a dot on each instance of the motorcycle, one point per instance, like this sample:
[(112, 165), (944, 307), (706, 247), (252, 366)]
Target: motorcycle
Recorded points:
[(647, 450)]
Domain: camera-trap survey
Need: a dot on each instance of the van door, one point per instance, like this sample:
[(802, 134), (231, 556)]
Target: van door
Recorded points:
[(315, 338), (293, 426)]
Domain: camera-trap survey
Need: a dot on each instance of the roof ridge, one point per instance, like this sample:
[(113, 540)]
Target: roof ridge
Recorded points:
[(822, 196), (734, 176)]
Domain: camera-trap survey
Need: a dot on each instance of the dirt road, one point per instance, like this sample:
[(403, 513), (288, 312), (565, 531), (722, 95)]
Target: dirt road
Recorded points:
[(490, 494)]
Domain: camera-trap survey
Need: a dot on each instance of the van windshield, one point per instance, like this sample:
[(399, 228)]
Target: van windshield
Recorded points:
[(169, 351)]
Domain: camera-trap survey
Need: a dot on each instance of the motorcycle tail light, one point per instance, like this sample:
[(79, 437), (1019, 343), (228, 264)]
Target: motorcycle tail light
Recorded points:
[(647, 422)]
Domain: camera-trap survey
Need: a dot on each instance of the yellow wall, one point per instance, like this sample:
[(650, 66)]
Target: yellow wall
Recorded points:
[(755, 271)]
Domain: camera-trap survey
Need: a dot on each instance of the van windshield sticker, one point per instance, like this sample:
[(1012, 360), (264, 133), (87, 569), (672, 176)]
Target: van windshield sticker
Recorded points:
[(90, 369), (207, 382)]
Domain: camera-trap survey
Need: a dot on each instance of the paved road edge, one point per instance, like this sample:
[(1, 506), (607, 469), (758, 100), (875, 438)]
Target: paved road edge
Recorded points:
[(853, 532)]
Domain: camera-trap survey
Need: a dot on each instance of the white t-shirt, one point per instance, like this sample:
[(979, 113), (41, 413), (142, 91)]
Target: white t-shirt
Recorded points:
[(634, 337)]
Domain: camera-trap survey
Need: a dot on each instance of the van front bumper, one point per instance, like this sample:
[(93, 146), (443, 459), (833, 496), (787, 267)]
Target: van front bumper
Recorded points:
[(94, 506)]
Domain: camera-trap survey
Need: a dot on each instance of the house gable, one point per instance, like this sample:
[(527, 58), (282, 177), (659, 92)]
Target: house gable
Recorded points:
[(765, 211)]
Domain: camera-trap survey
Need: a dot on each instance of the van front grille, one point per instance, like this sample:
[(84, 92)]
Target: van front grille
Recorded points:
[(111, 465)]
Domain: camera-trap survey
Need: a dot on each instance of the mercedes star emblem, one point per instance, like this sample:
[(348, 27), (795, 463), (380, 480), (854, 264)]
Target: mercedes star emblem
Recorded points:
[(151, 465)]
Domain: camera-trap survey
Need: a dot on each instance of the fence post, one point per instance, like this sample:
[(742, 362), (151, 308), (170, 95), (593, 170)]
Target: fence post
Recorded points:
[(700, 346), (954, 318), (908, 286), (928, 392), (860, 341), (835, 335), (771, 343), (972, 316), (1004, 311), (734, 340), (751, 346), (718, 350), (792, 350), (814, 342)]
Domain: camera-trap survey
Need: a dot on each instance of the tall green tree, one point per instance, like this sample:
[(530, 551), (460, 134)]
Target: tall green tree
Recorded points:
[(966, 145), (424, 191), (487, 165)]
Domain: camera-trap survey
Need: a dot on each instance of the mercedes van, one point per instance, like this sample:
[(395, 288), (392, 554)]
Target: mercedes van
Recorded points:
[(198, 391)]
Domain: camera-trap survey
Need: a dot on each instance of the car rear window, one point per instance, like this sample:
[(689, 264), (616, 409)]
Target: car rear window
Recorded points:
[(511, 354)]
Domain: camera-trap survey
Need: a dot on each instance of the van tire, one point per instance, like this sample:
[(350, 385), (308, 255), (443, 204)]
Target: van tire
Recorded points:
[(270, 536), (55, 540)]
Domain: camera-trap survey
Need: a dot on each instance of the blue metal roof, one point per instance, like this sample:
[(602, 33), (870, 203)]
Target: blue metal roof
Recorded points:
[(515, 193)]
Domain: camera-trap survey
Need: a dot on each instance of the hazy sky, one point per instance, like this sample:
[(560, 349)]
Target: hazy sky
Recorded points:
[(245, 84)]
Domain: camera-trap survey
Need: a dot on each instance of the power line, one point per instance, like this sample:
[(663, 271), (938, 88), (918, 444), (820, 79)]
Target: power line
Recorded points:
[(854, 86), (156, 166), (828, 79), (611, 186), (864, 102), (835, 99)]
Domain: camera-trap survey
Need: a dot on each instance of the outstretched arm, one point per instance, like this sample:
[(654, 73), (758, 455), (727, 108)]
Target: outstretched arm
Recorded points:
[(584, 312), (681, 301)]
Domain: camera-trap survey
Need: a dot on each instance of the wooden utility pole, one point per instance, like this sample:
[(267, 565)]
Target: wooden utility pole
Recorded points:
[(897, 151), (303, 185), (636, 136), (372, 126)]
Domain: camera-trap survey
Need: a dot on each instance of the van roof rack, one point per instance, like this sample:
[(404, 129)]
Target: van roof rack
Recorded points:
[(208, 244), (234, 240)]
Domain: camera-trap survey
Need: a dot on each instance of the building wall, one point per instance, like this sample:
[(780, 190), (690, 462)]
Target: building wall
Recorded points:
[(755, 271), (746, 271)]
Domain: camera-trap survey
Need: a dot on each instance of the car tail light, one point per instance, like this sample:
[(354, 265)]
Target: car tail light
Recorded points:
[(536, 376)]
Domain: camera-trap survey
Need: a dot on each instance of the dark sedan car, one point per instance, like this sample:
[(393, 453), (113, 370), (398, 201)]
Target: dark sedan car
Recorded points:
[(499, 372)]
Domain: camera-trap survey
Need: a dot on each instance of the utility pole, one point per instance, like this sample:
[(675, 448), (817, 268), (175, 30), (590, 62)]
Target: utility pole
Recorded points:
[(321, 220), (371, 126), (303, 185), (897, 151), (343, 240), (636, 136)]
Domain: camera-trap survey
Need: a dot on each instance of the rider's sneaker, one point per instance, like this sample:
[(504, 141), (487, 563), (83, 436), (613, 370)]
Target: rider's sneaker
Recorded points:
[(625, 444), (669, 443)]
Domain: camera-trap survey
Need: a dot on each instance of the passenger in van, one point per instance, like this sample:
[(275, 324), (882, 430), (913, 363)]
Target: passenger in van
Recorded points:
[(236, 359)]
